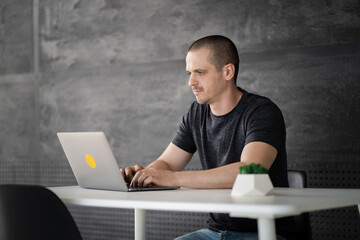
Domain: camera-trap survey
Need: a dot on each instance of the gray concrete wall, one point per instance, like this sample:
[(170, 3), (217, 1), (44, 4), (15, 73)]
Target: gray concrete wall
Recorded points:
[(118, 67)]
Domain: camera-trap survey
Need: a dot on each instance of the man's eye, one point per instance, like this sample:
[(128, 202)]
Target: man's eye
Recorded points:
[(200, 73)]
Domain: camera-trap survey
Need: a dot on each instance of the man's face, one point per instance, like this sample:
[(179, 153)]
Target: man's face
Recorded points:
[(206, 82)]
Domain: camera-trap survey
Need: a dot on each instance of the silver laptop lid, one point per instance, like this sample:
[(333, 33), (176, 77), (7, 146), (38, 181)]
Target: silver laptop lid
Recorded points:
[(92, 160)]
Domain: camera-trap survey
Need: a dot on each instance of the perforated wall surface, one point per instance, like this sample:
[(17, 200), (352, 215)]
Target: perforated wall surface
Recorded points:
[(343, 223), (119, 223)]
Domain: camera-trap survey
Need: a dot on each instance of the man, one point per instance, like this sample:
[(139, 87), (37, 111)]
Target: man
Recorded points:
[(228, 127)]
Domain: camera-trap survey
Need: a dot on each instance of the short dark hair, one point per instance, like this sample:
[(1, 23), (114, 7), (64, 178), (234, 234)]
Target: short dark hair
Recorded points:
[(223, 51)]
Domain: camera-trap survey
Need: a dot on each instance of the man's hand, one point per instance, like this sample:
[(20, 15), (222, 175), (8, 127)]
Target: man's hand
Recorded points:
[(129, 172), (151, 175), (161, 172)]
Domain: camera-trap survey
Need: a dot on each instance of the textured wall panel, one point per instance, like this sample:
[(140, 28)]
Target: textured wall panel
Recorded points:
[(16, 55), (77, 34), (17, 164)]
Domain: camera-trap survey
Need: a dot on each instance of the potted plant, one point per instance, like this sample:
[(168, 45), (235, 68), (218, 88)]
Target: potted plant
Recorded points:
[(252, 180)]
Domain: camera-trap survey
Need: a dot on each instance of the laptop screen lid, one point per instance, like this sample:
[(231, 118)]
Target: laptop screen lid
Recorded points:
[(92, 161)]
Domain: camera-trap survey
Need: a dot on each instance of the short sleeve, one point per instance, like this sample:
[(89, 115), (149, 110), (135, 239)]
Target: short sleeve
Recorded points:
[(184, 138), (266, 124)]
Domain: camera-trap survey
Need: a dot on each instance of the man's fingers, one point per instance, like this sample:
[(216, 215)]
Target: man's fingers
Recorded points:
[(140, 179), (138, 167), (133, 175), (122, 170), (128, 174), (148, 181), (135, 180)]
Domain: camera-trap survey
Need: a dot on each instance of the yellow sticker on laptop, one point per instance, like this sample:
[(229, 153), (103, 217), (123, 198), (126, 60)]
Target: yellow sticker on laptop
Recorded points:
[(90, 160)]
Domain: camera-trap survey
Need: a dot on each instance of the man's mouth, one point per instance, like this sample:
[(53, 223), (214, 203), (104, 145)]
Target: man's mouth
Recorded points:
[(197, 90)]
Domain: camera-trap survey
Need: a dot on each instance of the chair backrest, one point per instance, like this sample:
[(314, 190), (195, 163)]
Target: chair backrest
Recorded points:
[(297, 179), (34, 212)]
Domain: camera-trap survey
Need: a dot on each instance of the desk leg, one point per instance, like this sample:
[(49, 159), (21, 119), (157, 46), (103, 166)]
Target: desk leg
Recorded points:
[(266, 229), (140, 217)]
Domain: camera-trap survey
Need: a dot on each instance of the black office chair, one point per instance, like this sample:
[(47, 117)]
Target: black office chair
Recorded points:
[(297, 179), (34, 212)]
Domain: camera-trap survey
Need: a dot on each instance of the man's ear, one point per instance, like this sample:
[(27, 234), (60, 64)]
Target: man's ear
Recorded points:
[(229, 71)]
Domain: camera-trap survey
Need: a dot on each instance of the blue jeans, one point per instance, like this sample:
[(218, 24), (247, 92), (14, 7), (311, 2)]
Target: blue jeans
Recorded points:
[(207, 234)]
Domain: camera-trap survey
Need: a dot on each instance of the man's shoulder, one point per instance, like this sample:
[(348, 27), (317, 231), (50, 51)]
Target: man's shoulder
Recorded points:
[(255, 100), (256, 103)]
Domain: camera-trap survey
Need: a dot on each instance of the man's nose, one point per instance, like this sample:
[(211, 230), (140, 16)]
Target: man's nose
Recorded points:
[(192, 80)]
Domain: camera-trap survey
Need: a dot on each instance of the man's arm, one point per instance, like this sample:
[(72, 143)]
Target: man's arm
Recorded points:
[(166, 170), (224, 177), (173, 159)]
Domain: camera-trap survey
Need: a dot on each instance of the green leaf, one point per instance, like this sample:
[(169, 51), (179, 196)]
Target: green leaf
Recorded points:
[(253, 168), (244, 169)]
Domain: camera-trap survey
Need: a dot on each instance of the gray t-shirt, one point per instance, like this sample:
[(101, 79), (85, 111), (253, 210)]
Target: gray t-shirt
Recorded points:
[(219, 140)]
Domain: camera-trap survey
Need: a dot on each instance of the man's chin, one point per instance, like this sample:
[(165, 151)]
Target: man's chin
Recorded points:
[(201, 101)]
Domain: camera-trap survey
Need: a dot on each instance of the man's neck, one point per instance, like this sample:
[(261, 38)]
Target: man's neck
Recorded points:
[(228, 103)]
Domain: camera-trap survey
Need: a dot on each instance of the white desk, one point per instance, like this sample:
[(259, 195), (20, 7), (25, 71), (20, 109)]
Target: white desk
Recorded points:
[(285, 202)]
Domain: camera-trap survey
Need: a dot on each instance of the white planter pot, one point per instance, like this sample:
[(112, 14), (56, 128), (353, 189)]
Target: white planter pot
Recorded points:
[(252, 185)]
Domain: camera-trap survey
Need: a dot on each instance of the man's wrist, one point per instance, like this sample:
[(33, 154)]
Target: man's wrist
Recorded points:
[(178, 179)]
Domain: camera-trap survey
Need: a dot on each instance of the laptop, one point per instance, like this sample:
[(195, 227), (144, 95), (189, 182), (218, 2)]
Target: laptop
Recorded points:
[(93, 163)]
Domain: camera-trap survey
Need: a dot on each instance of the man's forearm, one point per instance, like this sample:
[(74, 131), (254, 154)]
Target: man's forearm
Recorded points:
[(159, 164), (222, 177)]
